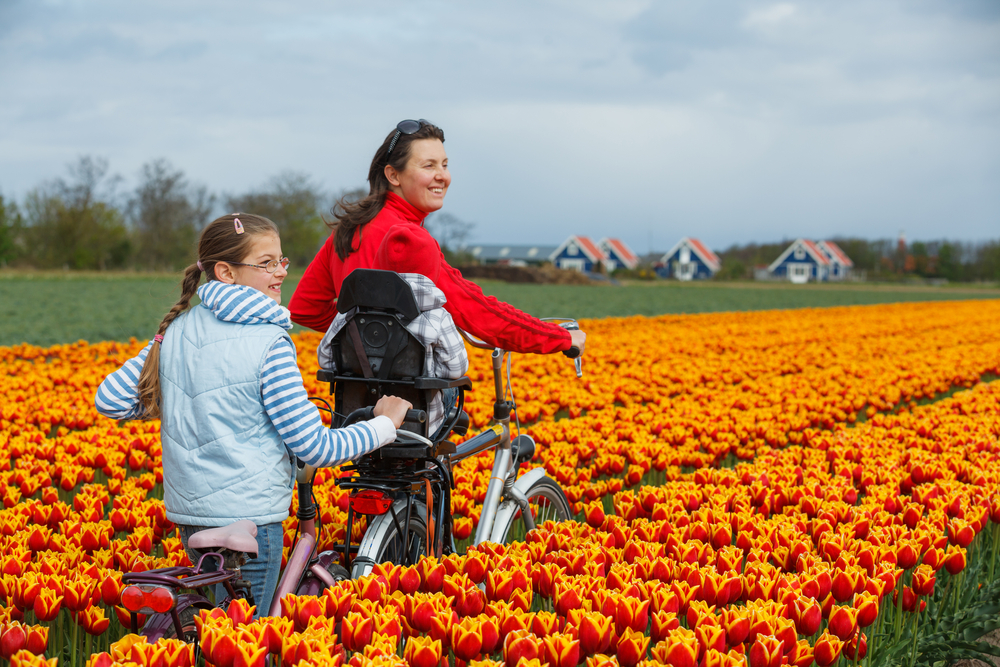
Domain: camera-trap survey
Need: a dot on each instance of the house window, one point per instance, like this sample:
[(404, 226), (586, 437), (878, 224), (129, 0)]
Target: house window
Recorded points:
[(800, 253), (572, 250), (685, 255)]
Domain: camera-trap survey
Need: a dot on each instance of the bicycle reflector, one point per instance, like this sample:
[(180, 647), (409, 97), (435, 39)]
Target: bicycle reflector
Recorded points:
[(370, 501), (148, 599)]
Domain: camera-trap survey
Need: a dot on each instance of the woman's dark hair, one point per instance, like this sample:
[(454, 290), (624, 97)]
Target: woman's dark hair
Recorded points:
[(219, 242), (350, 215)]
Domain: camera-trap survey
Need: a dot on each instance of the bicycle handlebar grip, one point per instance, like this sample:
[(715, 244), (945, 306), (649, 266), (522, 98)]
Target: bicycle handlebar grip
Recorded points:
[(418, 416), (360, 415), (573, 352)]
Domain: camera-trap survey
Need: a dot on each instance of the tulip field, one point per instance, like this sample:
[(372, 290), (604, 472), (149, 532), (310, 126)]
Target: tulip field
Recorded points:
[(769, 488)]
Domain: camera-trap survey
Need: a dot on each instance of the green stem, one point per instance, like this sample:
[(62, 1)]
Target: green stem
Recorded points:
[(916, 620), (995, 531), (76, 647), (943, 603), (898, 620), (89, 646)]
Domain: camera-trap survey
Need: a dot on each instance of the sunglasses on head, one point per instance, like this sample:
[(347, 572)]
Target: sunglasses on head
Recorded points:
[(405, 127)]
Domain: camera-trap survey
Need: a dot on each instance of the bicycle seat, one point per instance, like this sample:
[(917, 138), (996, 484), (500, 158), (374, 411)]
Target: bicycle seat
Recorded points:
[(238, 536)]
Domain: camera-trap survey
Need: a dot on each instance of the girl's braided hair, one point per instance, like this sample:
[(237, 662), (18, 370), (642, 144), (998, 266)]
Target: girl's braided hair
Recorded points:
[(219, 242)]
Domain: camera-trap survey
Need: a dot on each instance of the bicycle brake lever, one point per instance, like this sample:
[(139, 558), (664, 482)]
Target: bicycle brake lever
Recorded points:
[(573, 352)]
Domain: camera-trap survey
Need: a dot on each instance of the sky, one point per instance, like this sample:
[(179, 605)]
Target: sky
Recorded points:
[(731, 121)]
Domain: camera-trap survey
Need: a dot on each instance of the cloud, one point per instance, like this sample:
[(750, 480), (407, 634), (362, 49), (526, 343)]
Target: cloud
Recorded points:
[(736, 121)]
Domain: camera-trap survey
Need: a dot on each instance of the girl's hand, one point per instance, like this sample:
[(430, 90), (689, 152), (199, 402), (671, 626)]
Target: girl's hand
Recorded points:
[(394, 408)]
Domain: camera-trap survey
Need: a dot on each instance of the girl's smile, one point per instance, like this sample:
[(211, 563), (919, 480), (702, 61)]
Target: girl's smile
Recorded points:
[(265, 248)]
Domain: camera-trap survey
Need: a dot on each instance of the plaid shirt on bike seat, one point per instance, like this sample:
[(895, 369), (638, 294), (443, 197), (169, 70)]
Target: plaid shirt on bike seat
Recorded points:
[(444, 348)]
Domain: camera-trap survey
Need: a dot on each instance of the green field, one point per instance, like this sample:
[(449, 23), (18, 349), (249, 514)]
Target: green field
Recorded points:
[(50, 308)]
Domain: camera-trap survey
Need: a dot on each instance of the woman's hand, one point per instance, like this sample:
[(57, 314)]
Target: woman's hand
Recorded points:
[(578, 339), (394, 408)]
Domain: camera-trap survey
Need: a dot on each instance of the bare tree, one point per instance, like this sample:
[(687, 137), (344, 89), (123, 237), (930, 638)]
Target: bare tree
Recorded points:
[(166, 214), (450, 231), (295, 204), (10, 231)]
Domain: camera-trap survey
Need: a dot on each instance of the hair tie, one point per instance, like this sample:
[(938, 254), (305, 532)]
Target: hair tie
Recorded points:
[(158, 338), (200, 267)]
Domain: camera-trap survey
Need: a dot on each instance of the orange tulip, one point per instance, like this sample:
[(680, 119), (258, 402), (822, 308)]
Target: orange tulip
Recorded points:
[(467, 638), (595, 632), (680, 649), (249, 655), (47, 604), (520, 644), (827, 649), (356, 631), (423, 652), (923, 580), (26, 658), (13, 638), (561, 650), (867, 606), (807, 615), (632, 647), (93, 621), (766, 651), (631, 613)]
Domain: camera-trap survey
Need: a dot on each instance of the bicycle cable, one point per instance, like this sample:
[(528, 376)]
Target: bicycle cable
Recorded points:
[(513, 401)]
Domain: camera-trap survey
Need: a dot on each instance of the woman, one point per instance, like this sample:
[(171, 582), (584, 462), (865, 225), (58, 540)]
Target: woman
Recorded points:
[(408, 180)]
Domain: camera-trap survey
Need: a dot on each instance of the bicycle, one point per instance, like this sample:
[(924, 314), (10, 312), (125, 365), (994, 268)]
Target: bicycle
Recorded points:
[(388, 485)]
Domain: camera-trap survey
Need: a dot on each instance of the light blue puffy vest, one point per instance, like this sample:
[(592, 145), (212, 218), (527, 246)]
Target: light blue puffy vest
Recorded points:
[(223, 460)]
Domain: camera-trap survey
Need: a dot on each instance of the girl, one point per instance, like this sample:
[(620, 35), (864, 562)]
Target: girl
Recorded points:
[(408, 179), (222, 378)]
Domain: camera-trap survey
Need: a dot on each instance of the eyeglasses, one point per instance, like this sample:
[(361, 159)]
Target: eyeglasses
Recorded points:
[(270, 267), (405, 127)]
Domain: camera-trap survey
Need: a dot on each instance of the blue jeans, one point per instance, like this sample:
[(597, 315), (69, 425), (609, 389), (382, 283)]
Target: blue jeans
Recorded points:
[(262, 572)]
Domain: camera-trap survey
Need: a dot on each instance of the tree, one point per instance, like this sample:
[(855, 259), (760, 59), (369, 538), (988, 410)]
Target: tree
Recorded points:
[(75, 224), (10, 230), (294, 203), (732, 269), (450, 231), (166, 215)]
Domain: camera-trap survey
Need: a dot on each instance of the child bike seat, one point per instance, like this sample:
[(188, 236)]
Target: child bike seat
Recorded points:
[(238, 536)]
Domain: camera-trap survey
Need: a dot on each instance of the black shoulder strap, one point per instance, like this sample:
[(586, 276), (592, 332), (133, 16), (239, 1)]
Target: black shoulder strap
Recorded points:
[(359, 348)]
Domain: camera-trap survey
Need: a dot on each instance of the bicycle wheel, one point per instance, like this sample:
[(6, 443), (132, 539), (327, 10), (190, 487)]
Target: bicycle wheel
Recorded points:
[(548, 503), (188, 628), (313, 585), (384, 543)]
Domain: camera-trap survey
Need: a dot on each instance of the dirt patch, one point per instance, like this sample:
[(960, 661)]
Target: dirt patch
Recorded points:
[(525, 274)]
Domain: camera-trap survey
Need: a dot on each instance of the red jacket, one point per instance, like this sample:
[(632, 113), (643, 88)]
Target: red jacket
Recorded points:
[(400, 226)]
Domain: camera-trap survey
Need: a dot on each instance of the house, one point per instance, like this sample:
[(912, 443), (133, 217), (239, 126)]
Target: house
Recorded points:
[(840, 263), (801, 262), (512, 255), (579, 253), (690, 259), (619, 255)]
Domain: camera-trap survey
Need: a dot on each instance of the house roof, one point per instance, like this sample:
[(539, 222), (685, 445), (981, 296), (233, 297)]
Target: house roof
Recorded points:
[(835, 253), (588, 247), (620, 250), (807, 245), (710, 259), (527, 253)]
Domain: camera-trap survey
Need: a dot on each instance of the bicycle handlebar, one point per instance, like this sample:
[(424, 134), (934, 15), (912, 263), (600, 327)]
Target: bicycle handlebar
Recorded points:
[(364, 414)]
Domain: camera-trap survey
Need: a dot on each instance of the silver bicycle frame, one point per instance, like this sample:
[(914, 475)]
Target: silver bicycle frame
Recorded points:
[(501, 483)]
